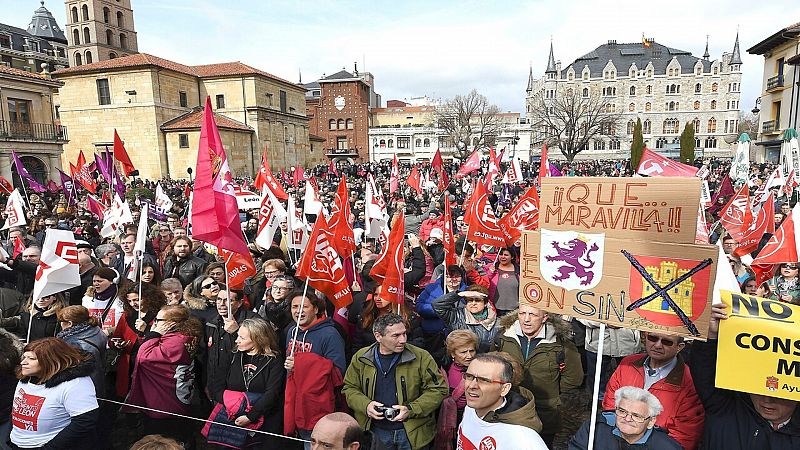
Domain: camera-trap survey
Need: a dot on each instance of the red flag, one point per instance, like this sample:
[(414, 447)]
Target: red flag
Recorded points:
[(215, 213), (6, 186), (763, 272), (388, 269), (437, 164), (523, 216), (343, 241), (332, 169), (95, 207), (791, 183), (187, 191), (483, 227), (472, 164), (298, 175), (494, 167), (239, 268), (448, 238), (725, 190), (782, 246), (544, 168), (322, 267), (737, 215), (121, 155), (654, 165), (394, 177), (764, 223), (443, 182), (19, 247), (413, 180), (265, 178)]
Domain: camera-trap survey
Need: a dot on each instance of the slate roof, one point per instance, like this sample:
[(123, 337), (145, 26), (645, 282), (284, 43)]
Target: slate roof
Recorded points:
[(194, 119), (235, 68), (26, 74), (44, 25), (18, 36), (623, 55)]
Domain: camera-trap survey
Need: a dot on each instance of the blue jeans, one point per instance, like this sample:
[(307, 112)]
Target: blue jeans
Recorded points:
[(393, 439), (608, 367)]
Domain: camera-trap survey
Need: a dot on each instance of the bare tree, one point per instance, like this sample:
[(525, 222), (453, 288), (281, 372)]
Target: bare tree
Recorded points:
[(748, 123), (571, 121), (469, 120)]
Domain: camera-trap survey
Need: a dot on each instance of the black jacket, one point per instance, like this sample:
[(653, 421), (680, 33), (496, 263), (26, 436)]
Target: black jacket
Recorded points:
[(732, 422), (20, 277), (605, 439), (219, 342), (185, 270)]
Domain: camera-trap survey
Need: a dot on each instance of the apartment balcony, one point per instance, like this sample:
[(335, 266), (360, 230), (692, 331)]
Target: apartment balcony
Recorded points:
[(343, 152), (41, 132), (774, 83), (769, 127)]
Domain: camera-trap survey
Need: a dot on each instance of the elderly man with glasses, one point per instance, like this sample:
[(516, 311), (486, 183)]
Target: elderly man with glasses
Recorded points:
[(662, 371), (630, 424)]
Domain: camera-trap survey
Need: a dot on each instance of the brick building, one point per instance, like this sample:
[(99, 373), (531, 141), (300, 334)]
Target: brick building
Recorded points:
[(338, 107)]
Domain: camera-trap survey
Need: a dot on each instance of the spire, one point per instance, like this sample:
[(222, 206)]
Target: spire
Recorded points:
[(706, 55), (736, 58), (300, 73), (551, 61), (530, 79)]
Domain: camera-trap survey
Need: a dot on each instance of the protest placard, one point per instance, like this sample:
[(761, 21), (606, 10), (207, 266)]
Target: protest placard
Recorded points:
[(662, 209), (646, 285), (762, 334)]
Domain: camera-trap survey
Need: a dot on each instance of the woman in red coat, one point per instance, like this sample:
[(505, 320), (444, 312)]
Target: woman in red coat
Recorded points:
[(132, 327)]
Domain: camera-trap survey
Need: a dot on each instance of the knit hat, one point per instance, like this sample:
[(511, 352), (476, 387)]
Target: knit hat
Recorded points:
[(437, 233)]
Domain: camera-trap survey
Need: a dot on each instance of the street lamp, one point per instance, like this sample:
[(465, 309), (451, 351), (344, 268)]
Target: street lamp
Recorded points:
[(755, 109)]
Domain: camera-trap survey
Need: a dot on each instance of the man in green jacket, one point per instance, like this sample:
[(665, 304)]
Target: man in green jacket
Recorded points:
[(551, 364), (394, 388)]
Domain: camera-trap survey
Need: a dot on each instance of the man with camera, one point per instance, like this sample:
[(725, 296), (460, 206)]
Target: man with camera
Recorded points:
[(394, 388)]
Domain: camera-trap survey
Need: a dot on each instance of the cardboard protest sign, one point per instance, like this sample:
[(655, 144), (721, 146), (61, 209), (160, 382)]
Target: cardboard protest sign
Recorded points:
[(661, 209), (646, 285), (764, 335)]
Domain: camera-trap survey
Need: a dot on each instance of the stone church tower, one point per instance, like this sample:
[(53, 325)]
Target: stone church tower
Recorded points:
[(98, 30)]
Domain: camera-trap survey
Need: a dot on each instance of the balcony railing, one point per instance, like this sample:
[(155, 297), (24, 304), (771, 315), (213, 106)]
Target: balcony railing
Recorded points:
[(20, 131), (768, 126), (774, 82), (341, 152)]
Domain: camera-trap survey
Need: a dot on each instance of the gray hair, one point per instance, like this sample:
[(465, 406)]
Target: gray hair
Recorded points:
[(636, 394), (171, 283), (104, 249), (385, 321)]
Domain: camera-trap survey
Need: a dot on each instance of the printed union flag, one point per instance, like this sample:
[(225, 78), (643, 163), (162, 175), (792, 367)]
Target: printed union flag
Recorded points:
[(321, 266)]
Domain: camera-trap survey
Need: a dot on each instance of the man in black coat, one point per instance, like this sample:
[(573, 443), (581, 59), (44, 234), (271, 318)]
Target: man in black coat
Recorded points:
[(182, 264)]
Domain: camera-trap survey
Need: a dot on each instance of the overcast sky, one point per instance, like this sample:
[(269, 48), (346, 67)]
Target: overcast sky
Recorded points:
[(436, 48)]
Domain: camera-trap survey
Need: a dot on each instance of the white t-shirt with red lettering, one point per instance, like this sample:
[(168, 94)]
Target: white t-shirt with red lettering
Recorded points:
[(96, 308), (39, 413), (477, 434)]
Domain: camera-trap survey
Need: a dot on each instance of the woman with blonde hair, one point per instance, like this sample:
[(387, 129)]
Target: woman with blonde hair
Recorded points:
[(253, 378), (37, 319), (55, 405), (163, 377)]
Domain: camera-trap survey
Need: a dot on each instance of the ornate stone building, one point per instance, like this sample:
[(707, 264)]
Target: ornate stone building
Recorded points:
[(40, 47), (99, 30), (663, 86)]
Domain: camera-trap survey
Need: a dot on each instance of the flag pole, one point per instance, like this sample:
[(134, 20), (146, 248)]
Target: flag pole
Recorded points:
[(297, 321), (227, 287), (596, 391), (30, 321), (140, 259)]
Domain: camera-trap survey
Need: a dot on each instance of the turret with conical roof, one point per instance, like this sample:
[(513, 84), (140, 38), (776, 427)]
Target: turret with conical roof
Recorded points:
[(551, 61), (44, 25), (706, 55), (736, 57), (530, 80)]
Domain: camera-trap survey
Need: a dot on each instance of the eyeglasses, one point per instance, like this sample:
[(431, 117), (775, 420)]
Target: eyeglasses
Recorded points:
[(156, 320), (664, 341), (790, 267), (280, 288), (210, 285), (621, 412), (468, 377), (474, 300)]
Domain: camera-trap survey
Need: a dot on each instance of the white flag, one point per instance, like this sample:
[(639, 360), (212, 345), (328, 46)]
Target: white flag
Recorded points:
[(270, 216), (375, 216), (740, 167), (725, 278), (58, 267), (141, 233), (311, 203), (15, 212), (162, 201), (297, 226), (514, 173)]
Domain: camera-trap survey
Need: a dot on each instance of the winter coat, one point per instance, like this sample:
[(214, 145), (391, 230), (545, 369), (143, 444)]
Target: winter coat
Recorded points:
[(419, 383), (780, 286), (220, 344), (127, 331), (605, 438), (456, 317), (44, 323), (8, 380), (732, 422), (520, 409), (617, 342), (20, 277), (185, 270), (431, 322), (75, 295), (418, 269), (200, 307), (683, 413), (311, 391), (552, 367), (428, 225), (118, 264), (91, 340), (320, 338)]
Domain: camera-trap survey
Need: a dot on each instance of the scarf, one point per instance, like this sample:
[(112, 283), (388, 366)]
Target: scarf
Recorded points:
[(486, 319), (73, 330), (108, 294)]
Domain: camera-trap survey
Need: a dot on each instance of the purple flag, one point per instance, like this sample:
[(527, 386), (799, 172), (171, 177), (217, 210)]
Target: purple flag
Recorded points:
[(153, 211), (119, 186), (102, 167), (32, 183), (554, 172), (68, 187)]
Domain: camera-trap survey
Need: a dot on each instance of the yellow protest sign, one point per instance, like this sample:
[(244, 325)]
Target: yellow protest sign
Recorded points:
[(759, 347)]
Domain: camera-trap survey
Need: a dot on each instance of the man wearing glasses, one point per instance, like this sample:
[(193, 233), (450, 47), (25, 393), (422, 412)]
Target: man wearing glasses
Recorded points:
[(394, 388), (662, 371), (497, 417), (630, 424), (275, 308)]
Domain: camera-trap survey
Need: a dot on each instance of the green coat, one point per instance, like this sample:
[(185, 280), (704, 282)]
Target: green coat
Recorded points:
[(420, 387), (541, 372)]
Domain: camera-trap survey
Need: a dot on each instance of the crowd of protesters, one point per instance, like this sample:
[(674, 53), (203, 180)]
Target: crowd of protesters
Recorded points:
[(462, 363)]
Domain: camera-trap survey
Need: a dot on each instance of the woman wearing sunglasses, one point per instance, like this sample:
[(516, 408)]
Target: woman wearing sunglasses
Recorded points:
[(785, 283), (201, 297)]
